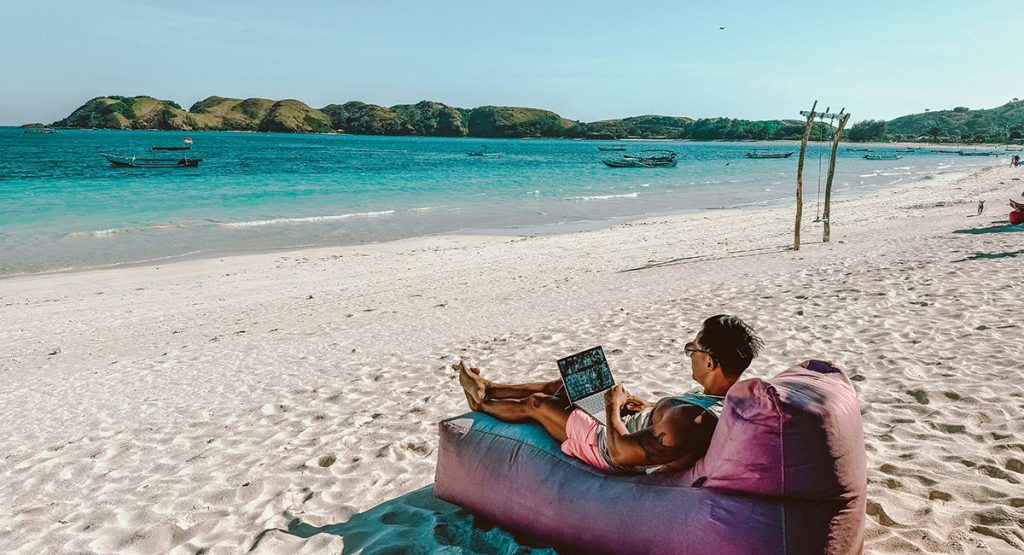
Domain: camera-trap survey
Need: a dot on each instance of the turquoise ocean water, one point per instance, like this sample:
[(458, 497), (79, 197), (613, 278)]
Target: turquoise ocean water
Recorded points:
[(63, 207)]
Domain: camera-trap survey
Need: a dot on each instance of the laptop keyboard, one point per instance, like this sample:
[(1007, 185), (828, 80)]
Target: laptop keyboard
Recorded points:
[(594, 406)]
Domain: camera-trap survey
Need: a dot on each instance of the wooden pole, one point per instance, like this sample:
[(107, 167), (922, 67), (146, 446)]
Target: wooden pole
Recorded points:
[(800, 177), (831, 171)]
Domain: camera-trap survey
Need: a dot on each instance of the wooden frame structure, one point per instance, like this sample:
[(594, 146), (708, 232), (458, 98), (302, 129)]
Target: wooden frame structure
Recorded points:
[(837, 136), (831, 171)]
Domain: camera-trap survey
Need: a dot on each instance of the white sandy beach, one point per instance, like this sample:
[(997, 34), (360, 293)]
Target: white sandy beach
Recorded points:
[(204, 405)]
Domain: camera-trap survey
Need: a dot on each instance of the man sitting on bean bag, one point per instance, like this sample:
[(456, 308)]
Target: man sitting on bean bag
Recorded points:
[(671, 434)]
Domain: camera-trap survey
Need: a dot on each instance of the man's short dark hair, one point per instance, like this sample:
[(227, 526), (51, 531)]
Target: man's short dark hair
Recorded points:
[(731, 343)]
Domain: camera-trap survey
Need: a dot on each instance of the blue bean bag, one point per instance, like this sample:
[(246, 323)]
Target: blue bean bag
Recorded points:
[(785, 473)]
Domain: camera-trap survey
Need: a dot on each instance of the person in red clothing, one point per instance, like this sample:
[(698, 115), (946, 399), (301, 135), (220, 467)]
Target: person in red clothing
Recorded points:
[(1017, 216)]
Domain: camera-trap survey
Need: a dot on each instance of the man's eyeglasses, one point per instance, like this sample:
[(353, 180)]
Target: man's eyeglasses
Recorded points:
[(691, 348)]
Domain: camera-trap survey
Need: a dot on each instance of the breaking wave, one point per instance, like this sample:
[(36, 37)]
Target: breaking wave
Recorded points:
[(604, 197), (307, 220)]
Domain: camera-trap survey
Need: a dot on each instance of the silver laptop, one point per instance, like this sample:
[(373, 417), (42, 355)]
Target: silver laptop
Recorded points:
[(585, 377)]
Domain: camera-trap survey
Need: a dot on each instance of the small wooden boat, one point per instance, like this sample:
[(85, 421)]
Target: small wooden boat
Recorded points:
[(644, 159), (858, 150), (977, 153), (908, 149), (135, 162), (611, 148), (482, 152), (624, 163), (883, 157), (759, 153)]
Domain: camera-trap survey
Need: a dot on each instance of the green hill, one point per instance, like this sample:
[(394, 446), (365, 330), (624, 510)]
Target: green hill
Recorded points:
[(651, 126), (126, 112), (433, 119), (504, 121), (995, 125), (214, 113), (231, 114), (292, 116), (360, 118), (706, 129)]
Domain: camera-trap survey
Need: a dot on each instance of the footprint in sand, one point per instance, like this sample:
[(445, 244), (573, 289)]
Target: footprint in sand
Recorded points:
[(919, 395), (326, 460), (892, 483), (1015, 465), (889, 469), (951, 428), (875, 509), (995, 472), (418, 448)]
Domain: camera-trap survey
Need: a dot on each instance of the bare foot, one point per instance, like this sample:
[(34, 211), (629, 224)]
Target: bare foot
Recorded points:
[(474, 386)]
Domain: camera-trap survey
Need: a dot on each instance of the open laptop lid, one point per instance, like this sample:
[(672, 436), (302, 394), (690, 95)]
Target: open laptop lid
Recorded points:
[(585, 373)]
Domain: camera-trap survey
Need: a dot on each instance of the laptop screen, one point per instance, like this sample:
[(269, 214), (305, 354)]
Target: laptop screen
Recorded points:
[(585, 373)]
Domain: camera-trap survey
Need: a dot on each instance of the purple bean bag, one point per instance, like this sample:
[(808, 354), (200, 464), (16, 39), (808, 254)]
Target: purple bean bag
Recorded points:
[(785, 473)]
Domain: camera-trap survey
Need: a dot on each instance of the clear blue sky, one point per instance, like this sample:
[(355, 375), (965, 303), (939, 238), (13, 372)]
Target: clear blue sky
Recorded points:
[(585, 60)]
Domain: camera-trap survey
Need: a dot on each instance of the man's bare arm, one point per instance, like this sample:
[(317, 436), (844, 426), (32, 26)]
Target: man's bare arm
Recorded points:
[(664, 441)]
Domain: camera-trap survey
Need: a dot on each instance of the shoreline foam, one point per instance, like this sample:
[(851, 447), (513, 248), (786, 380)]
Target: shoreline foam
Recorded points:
[(526, 229)]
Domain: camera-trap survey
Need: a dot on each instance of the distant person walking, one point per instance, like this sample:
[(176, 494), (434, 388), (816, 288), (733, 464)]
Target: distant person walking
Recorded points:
[(1015, 161)]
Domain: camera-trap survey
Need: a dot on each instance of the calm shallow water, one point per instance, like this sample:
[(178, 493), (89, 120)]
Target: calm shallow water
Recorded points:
[(62, 206)]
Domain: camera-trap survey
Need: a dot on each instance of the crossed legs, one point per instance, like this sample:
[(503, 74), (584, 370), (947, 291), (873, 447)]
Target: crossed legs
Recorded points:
[(516, 402)]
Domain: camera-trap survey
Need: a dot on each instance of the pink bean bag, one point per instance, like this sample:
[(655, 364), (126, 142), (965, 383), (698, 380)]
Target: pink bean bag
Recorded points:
[(785, 473)]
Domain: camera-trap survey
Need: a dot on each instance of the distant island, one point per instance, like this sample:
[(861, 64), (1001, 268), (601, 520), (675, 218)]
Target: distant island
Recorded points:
[(1004, 124), (426, 118)]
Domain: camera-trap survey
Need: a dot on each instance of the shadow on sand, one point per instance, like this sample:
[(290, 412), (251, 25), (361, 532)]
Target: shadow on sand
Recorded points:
[(1005, 227), (991, 255), (715, 256), (416, 522)]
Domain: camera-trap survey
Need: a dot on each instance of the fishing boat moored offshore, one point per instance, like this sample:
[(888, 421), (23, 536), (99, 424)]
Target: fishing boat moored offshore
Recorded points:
[(761, 153), (644, 159), (136, 162), (482, 152)]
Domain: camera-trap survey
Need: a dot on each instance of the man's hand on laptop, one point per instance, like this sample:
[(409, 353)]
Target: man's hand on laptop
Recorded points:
[(636, 404), (623, 401), (615, 397)]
